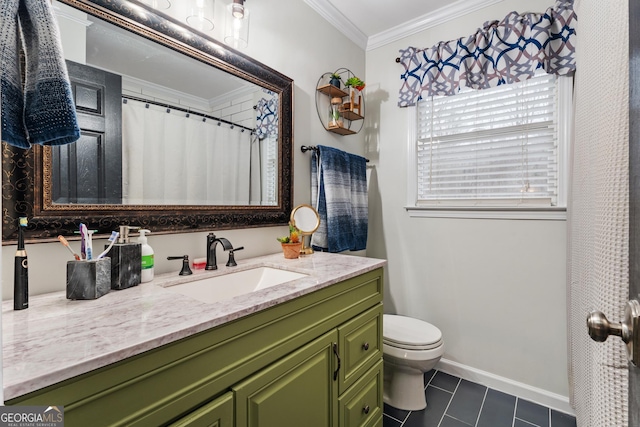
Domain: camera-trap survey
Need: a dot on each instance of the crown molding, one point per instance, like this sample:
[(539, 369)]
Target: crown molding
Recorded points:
[(60, 13), (429, 20), (338, 20), (416, 25)]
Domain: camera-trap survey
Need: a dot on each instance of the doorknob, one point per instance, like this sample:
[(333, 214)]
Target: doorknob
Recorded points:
[(629, 329)]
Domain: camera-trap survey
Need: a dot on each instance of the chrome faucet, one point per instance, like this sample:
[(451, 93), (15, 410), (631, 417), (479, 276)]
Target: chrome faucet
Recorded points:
[(212, 242)]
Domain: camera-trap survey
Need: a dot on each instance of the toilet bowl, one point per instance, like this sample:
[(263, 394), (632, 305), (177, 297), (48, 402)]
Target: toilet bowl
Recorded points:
[(410, 348)]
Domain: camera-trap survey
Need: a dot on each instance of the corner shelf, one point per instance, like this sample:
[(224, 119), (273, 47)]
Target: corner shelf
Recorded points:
[(349, 110)]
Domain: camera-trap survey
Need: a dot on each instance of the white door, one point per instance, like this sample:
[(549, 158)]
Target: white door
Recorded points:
[(634, 191), (602, 328)]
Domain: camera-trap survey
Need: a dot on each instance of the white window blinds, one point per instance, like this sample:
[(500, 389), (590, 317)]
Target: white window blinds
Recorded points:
[(492, 147)]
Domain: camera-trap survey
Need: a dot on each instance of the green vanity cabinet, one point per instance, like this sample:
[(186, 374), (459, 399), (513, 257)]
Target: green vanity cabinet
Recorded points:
[(313, 360)]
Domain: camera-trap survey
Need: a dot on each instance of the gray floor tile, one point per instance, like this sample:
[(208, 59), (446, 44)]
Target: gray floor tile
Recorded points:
[(396, 413), (532, 412), (445, 381), (467, 401), (390, 422), (437, 401), (428, 376), (447, 421), (558, 419), (497, 410)]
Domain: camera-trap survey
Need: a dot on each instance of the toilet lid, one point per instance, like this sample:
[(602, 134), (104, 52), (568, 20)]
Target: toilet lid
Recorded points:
[(409, 333)]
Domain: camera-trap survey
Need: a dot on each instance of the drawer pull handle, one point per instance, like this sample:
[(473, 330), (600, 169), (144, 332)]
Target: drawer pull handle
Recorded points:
[(365, 346), (366, 410), (335, 351)]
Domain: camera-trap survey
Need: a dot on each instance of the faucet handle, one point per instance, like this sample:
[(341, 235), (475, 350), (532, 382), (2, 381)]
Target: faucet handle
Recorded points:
[(186, 270), (231, 262)]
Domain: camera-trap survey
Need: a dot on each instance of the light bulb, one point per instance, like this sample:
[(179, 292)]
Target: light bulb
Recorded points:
[(237, 9)]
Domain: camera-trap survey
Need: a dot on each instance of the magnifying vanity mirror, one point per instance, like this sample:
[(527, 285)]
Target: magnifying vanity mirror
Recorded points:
[(306, 219), (178, 132)]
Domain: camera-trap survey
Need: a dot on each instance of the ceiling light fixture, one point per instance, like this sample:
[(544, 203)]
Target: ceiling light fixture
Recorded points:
[(201, 15), (237, 9), (236, 32)]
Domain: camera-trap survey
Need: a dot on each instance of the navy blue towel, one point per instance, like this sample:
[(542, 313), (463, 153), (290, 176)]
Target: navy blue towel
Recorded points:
[(43, 111), (339, 190)]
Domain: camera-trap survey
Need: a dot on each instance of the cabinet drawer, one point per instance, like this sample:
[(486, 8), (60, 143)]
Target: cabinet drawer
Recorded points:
[(361, 405), (360, 345), (218, 413)]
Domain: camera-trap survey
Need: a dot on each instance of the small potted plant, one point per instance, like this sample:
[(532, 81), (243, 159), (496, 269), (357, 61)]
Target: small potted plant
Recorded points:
[(355, 82), (335, 79), (291, 244)]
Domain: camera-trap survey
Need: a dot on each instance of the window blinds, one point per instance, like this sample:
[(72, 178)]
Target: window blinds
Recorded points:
[(495, 146)]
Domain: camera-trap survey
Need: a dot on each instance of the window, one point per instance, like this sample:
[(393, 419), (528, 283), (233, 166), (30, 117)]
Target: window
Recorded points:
[(500, 148)]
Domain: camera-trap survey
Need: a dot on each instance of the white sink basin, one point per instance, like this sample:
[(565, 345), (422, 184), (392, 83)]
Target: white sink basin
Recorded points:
[(214, 289)]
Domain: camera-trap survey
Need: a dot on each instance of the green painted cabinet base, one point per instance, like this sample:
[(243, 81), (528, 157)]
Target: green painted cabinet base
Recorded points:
[(264, 361)]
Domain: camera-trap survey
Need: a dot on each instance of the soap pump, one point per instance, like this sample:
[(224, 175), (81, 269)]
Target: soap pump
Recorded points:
[(147, 257), (126, 268)]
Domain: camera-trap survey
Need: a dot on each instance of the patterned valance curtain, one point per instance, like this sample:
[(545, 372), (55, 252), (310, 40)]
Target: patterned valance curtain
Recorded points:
[(498, 53), (267, 117)]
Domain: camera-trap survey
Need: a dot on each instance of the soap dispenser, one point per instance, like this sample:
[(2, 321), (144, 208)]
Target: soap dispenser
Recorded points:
[(147, 257), (126, 256)]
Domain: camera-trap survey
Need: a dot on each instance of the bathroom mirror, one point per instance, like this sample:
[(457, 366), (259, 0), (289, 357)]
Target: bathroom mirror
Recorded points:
[(187, 78), (306, 219)]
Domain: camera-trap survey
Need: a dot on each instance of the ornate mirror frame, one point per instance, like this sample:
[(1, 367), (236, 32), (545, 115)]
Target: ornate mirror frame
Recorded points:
[(25, 174)]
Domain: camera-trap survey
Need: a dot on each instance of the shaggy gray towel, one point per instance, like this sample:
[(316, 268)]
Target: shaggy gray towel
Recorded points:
[(41, 112)]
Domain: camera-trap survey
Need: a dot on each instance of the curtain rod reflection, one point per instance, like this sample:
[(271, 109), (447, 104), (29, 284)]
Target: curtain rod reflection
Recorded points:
[(305, 148), (173, 107)]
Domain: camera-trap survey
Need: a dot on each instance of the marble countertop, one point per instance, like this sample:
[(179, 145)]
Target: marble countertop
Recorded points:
[(56, 339)]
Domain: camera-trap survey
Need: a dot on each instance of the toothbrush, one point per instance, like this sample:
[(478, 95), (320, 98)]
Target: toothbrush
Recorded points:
[(21, 275), (89, 244), (83, 244), (112, 239), (66, 243)]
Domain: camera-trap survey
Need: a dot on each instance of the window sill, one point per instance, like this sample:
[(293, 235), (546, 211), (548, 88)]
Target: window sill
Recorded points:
[(549, 213)]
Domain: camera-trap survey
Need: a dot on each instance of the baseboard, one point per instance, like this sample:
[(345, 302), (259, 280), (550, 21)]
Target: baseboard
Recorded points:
[(505, 385)]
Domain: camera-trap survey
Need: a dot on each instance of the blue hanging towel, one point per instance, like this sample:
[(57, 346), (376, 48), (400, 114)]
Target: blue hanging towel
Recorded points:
[(339, 189), (43, 111)]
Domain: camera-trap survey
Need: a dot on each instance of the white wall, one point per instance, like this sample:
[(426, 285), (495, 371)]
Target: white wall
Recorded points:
[(290, 37), (496, 288)]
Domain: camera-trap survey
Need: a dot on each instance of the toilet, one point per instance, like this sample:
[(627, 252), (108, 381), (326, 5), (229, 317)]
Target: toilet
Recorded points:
[(411, 347)]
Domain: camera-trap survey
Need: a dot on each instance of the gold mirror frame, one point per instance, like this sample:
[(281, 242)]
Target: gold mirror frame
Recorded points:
[(306, 234), (26, 176)]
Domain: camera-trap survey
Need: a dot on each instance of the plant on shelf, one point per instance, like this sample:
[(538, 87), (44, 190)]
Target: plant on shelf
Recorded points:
[(335, 79), (354, 82)]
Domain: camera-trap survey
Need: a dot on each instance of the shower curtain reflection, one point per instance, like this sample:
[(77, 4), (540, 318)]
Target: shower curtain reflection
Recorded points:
[(171, 157)]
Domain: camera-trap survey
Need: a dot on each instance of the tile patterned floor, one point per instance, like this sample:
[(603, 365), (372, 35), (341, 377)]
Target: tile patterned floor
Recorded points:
[(454, 402)]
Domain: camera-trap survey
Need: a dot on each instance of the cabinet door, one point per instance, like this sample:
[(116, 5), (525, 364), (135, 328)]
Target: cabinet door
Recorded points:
[(218, 413), (299, 390)]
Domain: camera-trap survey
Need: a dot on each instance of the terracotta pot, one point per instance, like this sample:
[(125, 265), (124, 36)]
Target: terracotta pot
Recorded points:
[(291, 250)]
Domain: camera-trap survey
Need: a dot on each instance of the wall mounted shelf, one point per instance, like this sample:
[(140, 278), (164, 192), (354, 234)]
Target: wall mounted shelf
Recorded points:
[(340, 109)]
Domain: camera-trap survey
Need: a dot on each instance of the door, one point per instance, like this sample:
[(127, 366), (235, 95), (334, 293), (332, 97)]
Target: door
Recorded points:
[(634, 191), (634, 220), (90, 170)]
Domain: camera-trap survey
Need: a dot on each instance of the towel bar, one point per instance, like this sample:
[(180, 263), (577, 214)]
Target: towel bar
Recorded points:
[(305, 148)]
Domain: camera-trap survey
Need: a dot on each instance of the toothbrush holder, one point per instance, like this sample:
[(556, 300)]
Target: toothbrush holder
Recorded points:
[(88, 279)]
